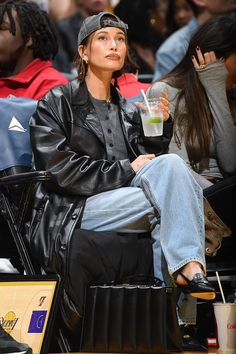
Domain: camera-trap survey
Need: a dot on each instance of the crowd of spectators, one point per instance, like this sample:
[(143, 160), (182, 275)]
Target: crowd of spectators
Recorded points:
[(159, 30)]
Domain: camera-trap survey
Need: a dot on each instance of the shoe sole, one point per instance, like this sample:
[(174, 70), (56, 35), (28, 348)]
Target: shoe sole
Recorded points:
[(204, 296)]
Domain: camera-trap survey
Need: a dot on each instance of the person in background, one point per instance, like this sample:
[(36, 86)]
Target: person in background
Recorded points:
[(43, 4), (178, 15), (28, 43), (92, 7), (147, 29), (173, 49), (130, 87), (128, 84), (112, 4), (61, 9), (200, 92), (68, 17)]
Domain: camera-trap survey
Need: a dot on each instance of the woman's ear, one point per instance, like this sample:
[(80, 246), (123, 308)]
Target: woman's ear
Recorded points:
[(83, 53)]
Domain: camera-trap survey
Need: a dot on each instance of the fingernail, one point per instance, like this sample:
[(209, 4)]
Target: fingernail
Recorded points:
[(197, 48), (193, 57)]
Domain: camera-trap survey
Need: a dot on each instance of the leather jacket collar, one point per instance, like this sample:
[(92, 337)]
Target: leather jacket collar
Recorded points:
[(80, 101), (79, 96)]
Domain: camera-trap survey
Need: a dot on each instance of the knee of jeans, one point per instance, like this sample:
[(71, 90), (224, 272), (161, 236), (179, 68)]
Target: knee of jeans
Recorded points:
[(175, 165), (173, 160)]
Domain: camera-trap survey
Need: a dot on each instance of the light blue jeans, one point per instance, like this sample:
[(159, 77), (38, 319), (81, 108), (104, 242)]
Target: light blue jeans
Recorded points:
[(163, 198)]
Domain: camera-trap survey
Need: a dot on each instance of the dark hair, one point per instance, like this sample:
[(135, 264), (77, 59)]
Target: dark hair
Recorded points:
[(170, 17), (34, 23), (197, 10), (137, 13), (219, 35)]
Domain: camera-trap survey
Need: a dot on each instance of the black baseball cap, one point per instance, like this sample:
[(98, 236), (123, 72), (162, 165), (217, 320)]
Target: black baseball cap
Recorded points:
[(103, 19)]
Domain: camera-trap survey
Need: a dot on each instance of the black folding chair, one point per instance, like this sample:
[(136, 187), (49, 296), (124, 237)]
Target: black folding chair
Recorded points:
[(14, 210), (17, 180)]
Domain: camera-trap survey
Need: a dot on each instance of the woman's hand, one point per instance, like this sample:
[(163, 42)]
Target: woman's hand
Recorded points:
[(200, 61), (163, 104), (216, 72), (141, 160)]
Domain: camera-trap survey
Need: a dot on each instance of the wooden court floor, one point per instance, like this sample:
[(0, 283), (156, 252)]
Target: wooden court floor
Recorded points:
[(210, 351)]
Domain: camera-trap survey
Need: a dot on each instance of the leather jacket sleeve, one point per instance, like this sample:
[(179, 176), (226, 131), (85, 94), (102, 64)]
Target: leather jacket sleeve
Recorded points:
[(157, 145), (77, 168)]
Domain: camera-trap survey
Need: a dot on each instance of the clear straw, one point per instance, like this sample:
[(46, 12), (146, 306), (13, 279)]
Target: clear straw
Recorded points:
[(221, 290), (145, 100)]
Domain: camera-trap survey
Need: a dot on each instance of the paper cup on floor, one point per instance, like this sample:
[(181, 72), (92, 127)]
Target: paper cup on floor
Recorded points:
[(225, 315)]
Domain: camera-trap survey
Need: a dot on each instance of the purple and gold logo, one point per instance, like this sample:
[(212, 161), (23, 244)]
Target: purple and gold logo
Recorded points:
[(9, 321), (37, 321)]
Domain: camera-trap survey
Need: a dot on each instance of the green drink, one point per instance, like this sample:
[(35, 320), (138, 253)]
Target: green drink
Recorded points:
[(152, 123), (154, 120)]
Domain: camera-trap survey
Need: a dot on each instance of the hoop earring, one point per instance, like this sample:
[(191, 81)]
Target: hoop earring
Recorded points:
[(81, 68)]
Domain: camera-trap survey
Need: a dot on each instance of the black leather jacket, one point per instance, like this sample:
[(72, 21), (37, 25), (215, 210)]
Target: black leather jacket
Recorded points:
[(67, 141)]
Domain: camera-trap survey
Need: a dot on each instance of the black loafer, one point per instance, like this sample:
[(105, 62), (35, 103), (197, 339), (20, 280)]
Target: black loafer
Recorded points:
[(189, 341), (199, 287), (190, 344)]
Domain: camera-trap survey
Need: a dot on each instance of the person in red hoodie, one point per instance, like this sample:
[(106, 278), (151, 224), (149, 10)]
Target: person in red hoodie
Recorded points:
[(28, 43), (128, 83)]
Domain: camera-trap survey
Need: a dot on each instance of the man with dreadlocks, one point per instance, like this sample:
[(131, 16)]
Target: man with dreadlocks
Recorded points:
[(28, 42)]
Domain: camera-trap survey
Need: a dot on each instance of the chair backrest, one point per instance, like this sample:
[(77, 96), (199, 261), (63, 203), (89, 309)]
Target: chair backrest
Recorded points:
[(15, 147), (16, 157)]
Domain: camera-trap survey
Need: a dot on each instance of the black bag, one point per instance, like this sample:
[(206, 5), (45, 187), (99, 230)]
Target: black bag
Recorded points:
[(131, 319)]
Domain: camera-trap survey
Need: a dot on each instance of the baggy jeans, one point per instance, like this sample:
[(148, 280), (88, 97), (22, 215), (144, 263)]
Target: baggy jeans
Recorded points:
[(163, 198)]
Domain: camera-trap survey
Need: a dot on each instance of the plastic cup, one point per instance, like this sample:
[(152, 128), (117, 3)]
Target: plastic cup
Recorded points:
[(225, 315), (152, 118)]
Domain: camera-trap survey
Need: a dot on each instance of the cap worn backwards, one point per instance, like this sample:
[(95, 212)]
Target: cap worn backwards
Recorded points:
[(103, 19)]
